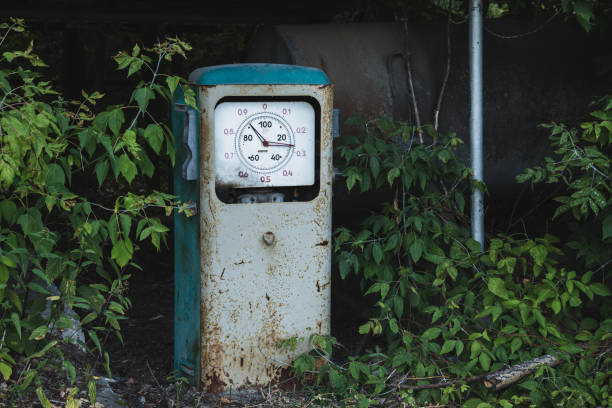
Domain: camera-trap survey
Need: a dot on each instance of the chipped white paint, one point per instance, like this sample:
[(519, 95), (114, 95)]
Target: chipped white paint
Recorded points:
[(265, 267)]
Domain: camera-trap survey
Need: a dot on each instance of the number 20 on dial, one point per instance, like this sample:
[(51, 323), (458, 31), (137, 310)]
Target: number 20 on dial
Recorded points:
[(264, 143)]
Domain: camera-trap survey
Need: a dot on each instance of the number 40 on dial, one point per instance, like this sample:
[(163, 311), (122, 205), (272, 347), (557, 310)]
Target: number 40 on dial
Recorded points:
[(264, 143)]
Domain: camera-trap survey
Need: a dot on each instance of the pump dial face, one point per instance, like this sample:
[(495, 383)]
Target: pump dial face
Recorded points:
[(264, 143)]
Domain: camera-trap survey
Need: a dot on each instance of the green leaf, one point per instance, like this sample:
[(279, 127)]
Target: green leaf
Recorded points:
[(126, 224), (70, 401), (91, 391), (39, 333), (416, 249), (374, 166), (515, 344), (384, 289), (16, 322), (122, 252), (94, 337), (448, 346), (584, 335), (538, 253), (143, 96), (172, 82), (393, 242), (556, 306), (127, 168), (472, 403), (154, 135), (101, 171), (91, 316), (42, 398), (365, 328), (460, 201), (354, 370), (115, 120), (8, 210), (393, 326), (398, 306), (344, 267), (5, 370), (459, 346), (107, 364), (600, 289), (485, 361), (498, 288), (392, 175), (55, 177), (571, 348), (431, 333), (584, 14), (377, 252), (42, 352), (87, 141), (146, 165), (336, 379)]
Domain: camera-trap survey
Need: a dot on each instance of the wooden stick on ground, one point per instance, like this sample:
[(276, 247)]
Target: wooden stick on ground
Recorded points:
[(498, 379), (503, 378)]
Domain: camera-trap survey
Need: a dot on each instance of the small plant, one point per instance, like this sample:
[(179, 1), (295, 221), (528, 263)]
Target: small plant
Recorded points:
[(66, 255)]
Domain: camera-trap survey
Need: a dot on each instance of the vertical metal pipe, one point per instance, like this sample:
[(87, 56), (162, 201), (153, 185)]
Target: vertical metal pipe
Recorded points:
[(476, 117)]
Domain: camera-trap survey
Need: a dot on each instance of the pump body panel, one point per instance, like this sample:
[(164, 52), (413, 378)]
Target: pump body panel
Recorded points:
[(265, 267)]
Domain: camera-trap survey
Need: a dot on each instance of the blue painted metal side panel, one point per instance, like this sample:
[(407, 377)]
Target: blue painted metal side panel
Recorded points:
[(267, 74), (186, 262)]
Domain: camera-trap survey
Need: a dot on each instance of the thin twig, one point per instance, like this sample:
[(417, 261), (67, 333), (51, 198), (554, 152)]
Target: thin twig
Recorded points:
[(442, 384), (157, 382), (514, 207), (448, 66), (415, 106), (535, 30), (534, 208)]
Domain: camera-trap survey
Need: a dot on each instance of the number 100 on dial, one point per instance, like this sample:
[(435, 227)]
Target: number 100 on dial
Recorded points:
[(264, 144)]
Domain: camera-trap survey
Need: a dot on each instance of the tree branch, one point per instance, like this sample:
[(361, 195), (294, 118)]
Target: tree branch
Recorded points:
[(496, 380), (502, 379)]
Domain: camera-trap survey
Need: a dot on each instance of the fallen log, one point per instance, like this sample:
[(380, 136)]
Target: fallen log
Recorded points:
[(503, 378), (496, 380)]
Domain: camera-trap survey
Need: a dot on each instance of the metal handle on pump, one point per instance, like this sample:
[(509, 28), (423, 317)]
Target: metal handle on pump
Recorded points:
[(190, 165)]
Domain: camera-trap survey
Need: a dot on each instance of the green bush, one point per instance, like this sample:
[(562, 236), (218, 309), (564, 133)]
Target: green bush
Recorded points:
[(60, 249), (444, 312)]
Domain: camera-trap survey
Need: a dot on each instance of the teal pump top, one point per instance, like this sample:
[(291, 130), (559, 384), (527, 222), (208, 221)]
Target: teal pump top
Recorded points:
[(258, 74)]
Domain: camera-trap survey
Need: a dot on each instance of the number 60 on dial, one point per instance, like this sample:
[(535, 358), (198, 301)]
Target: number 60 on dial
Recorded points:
[(264, 143)]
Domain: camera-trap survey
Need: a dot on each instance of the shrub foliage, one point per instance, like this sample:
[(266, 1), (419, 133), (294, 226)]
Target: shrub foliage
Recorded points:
[(65, 254), (443, 311)]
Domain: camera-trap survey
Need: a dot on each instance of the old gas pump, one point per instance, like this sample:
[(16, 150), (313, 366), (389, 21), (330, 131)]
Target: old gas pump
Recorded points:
[(253, 267)]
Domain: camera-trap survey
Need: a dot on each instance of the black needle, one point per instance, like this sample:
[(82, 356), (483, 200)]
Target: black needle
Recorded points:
[(261, 138)]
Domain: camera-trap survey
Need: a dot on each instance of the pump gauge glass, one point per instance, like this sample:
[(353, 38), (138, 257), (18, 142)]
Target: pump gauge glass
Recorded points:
[(264, 143)]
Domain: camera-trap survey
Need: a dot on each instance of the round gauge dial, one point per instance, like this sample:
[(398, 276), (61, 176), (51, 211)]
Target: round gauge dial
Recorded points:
[(264, 142)]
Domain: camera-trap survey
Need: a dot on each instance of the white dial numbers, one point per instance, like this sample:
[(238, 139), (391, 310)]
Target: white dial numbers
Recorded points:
[(264, 143)]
